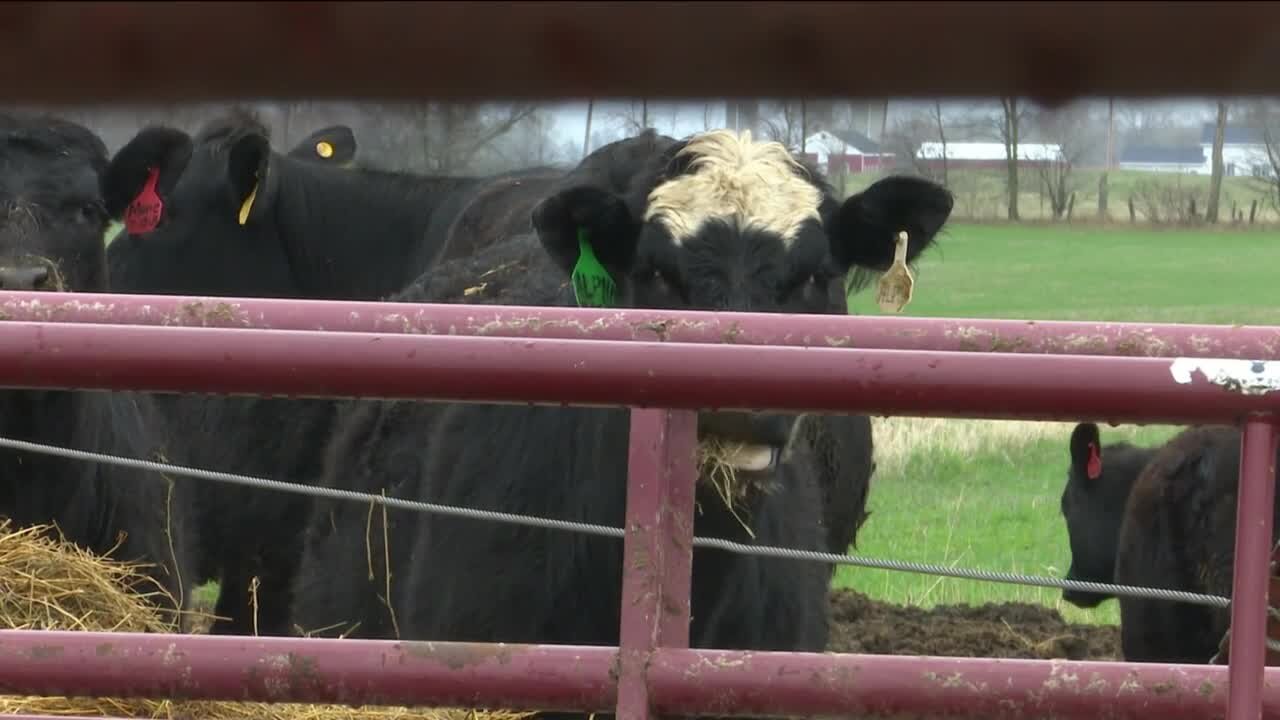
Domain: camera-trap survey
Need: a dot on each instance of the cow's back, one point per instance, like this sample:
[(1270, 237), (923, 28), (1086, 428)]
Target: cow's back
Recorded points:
[(1179, 533), (493, 211)]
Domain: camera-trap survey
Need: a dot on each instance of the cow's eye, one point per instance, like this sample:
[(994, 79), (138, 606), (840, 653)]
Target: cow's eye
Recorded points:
[(91, 213), (669, 281)]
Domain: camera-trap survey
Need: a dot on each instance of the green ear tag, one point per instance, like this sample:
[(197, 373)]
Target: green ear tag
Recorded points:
[(592, 286)]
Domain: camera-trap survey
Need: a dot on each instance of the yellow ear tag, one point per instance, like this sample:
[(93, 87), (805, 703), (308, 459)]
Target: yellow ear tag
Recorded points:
[(248, 204), (324, 149), (896, 285)]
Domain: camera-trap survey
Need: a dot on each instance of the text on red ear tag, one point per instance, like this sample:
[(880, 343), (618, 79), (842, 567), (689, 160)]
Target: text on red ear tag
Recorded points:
[(143, 214), (1094, 468)]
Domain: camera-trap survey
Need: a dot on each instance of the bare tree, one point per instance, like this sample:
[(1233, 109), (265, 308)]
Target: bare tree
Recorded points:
[(819, 115), (786, 125), (1069, 128), (586, 139), (529, 144), (744, 115), (1142, 115), (633, 117), (1215, 181), (804, 128), (437, 138), (1110, 160), (908, 132), (462, 131), (942, 137), (1009, 131), (1265, 115)]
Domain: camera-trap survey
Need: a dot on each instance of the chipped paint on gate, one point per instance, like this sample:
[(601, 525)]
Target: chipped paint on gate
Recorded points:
[(1247, 377)]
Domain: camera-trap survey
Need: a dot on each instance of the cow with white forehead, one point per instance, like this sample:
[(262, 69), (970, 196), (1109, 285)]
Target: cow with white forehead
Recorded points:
[(724, 222), (717, 222)]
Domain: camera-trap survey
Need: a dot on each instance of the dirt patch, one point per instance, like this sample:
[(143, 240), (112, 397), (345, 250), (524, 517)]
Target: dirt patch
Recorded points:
[(1005, 630)]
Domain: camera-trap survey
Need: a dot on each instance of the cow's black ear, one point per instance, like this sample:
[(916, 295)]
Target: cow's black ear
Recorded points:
[(1086, 451), (251, 178), (863, 231), (595, 216), (333, 145), (142, 174)]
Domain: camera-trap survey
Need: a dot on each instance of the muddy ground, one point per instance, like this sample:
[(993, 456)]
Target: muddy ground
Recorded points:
[(1005, 630)]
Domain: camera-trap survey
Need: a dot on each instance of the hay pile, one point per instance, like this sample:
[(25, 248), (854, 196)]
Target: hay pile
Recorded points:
[(49, 584)]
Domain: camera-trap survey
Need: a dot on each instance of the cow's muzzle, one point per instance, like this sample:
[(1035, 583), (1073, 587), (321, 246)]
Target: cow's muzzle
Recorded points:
[(746, 441)]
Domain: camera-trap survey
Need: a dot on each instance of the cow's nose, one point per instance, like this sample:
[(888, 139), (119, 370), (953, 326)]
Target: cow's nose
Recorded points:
[(746, 427), (23, 278)]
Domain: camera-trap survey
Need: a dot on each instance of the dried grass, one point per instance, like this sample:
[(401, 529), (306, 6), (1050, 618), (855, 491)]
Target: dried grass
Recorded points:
[(897, 439), (48, 584), (723, 477)]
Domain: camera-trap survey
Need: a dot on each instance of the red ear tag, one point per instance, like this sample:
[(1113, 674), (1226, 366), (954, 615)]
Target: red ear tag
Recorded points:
[(143, 214), (1094, 468)]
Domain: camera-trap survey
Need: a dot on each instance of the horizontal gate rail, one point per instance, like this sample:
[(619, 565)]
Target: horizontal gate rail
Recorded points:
[(586, 372), (583, 678), (866, 332)]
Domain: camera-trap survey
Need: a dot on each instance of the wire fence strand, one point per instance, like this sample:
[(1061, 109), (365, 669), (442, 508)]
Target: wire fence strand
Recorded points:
[(606, 531)]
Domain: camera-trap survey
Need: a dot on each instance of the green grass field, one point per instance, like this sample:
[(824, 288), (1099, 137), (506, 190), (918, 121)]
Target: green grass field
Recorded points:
[(985, 494)]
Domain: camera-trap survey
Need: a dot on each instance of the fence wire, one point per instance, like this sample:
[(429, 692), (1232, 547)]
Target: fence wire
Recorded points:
[(606, 531)]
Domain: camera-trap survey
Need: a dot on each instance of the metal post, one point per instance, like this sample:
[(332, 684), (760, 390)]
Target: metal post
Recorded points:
[(658, 550), (1254, 503)]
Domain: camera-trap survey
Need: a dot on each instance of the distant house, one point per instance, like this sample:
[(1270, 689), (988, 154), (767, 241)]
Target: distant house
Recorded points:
[(1154, 158), (847, 151), (1244, 151), (987, 155)]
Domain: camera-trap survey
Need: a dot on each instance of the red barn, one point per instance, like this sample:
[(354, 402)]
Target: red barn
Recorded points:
[(845, 151)]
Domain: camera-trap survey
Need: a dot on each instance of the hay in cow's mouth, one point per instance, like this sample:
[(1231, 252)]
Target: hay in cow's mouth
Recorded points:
[(719, 464), (56, 281), (47, 583)]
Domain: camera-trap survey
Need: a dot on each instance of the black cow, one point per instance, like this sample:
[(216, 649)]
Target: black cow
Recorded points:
[(1093, 506), (335, 145), (476, 217), (1179, 534), (223, 214), (310, 230), (716, 222), (52, 222)]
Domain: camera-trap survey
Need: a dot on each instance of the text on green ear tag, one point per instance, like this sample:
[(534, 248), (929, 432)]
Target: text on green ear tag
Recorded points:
[(592, 286)]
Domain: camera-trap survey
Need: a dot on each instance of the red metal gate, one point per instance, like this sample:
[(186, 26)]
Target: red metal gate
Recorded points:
[(648, 359)]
